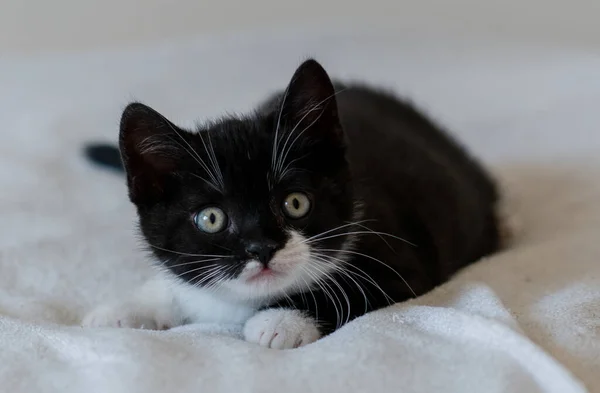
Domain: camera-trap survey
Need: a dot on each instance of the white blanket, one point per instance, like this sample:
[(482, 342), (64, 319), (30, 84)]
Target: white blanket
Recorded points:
[(526, 320)]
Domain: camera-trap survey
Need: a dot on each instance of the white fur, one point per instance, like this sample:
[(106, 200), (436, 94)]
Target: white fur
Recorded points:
[(152, 306), (290, 263), (164, 302), (281, 329)]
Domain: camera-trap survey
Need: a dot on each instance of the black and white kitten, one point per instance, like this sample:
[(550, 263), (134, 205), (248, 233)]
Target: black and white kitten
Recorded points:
[(324, 204)]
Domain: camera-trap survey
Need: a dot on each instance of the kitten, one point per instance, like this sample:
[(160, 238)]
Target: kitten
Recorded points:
[(326, 203)]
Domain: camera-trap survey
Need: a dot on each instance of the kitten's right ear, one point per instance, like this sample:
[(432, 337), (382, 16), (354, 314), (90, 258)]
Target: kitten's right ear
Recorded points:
[(309, 103), (151, 148)]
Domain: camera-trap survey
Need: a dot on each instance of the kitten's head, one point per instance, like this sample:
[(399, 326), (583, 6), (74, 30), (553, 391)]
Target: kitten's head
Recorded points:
[(255, 206)]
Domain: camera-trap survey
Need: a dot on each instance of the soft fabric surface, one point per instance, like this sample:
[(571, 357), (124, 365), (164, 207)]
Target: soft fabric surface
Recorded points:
[(526, 320)]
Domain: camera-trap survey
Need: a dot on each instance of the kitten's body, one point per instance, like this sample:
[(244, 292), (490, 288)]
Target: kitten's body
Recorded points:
[(411, 180), (396, 208)]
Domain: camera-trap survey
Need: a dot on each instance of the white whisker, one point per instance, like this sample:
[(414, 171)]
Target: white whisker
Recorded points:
[(319, 282), (362, 275), (276, 139), (379, 235), (284, 151), (188, 254), (210, 271), (361, 233), (376, 260), (204, 180), (331, 278), (307, 287), (224, 273), (279, 156), (193, 154), (193, 262), (339, 312), (339, 269), (214, 272), (204, 267), (215, 170), (333, 229)]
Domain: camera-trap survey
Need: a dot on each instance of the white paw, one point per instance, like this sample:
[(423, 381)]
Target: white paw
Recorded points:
[(120, 317), (280, 328)]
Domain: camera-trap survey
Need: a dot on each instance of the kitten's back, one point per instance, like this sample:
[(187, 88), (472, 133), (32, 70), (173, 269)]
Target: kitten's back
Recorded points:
[(409, 172), (398, 123)]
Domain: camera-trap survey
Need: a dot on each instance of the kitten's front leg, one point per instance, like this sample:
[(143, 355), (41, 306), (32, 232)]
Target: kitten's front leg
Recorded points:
[(152, 306), (281, 328)]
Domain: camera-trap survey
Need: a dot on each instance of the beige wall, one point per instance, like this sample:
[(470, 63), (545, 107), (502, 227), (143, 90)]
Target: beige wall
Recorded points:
[(34, 25)]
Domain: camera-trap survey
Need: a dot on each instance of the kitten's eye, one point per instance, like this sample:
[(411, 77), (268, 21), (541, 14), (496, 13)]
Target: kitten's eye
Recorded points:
[(210, 220), (296, 205)]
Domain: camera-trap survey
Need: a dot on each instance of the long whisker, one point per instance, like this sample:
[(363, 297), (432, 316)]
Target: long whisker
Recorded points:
[(216, 162), (331, 293), (361, 274), (312, 109), (188, 254), (361, 233), (220, 278), (358, 286), (208, 275), (301, 292), (319, 282), (288, 166), (339, 269), (332, 279), (287, 298), (193, 262), (276, 140), (334, 229), (190, 150), (379, 235), (218, 177), (285, 152), (213, 181), (210, 268), (307, 287), (203, 270), (204, 180), (376, 260)]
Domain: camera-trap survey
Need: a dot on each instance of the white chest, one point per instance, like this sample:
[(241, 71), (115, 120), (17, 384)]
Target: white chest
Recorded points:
[(199, 305)]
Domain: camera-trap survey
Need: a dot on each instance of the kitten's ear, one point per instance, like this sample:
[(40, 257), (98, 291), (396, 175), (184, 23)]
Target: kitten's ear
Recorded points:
[(151, 149), (309, 102)]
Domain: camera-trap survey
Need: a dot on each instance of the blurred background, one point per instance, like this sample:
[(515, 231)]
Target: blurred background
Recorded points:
[(32, 26)]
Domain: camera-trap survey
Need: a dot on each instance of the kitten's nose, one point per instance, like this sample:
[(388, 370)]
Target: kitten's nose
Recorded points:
[(261, 251)]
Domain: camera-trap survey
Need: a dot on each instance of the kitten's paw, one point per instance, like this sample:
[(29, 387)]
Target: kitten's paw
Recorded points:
[(119, 317), (280, 328)]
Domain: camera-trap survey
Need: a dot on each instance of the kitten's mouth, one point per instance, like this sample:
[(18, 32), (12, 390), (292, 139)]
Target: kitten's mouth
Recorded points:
[(265, 273)]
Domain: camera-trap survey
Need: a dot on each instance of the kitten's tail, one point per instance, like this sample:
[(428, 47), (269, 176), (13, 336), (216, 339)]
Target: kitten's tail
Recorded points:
[(105, 155)]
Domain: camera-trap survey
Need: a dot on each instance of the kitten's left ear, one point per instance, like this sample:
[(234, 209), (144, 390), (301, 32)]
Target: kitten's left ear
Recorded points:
[(309, 103), (151, 148)]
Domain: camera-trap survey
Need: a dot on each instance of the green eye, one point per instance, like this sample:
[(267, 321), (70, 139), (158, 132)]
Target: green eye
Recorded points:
[(210, 220), (296, 205)]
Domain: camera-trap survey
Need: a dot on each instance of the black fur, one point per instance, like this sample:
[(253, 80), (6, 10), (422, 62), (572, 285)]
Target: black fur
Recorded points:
[(361, 149), (106, 155)]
